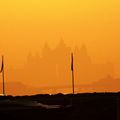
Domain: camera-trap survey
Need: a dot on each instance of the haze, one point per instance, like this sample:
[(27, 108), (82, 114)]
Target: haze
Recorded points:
[(27, 25)]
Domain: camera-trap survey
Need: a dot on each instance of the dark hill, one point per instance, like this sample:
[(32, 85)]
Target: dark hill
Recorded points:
[(89, 106)]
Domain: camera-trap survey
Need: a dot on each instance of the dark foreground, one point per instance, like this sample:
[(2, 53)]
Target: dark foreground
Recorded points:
[(97, 106)]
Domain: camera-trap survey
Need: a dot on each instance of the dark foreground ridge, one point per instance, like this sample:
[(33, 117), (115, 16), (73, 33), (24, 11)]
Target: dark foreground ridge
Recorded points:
[(88, 106)]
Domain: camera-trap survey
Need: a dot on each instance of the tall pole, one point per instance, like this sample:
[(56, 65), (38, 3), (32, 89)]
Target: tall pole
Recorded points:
[(3, 76), (72, 69), (73, 82)]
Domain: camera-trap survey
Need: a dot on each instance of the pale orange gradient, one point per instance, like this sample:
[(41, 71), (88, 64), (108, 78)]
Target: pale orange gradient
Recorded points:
[(26, 25)]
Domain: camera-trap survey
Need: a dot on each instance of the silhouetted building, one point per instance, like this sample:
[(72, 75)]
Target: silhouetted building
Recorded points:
[(52, 68)]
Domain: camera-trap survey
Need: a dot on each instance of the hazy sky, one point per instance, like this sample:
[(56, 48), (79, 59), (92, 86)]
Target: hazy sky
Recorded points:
[(25, 25)]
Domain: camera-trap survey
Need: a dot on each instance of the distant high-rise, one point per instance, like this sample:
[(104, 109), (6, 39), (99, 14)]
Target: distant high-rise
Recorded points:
[(84, 57), (83, 65), (46, 50)]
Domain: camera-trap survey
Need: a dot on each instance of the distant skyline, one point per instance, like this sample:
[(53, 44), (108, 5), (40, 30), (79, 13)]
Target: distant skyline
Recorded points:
[(41, 70), (20, 63), (53, 67)]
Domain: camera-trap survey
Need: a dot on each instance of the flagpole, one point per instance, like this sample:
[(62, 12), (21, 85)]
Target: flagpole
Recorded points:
[(3, 76), (72, 68), (73, 82)]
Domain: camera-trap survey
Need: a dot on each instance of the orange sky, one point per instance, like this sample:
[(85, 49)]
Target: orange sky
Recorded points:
[(26, 25)]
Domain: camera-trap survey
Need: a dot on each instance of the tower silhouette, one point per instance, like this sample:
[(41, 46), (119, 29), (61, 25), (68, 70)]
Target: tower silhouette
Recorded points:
[(84, 57)]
